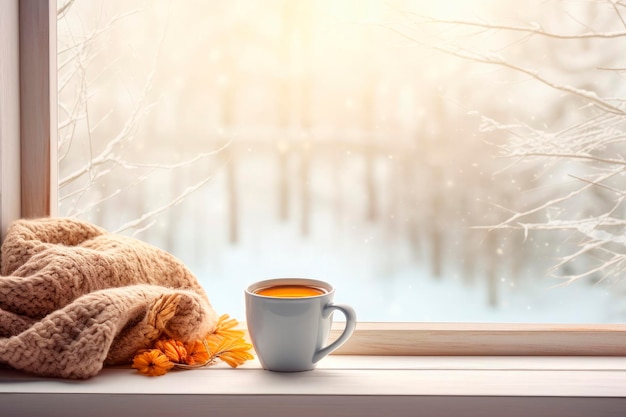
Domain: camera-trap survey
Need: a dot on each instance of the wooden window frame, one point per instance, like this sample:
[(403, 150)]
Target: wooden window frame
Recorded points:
[(35, 131), (28, 106), (38, 107), (9, 113)]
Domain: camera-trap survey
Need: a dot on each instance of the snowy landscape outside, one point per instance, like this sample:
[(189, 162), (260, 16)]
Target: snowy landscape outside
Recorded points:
[(450, 162)]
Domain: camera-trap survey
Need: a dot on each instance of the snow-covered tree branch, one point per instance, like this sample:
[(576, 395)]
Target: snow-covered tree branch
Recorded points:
[(571, 138), (101, 160)]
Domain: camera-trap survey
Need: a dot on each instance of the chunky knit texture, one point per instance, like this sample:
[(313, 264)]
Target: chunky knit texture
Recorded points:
[(74, 298)]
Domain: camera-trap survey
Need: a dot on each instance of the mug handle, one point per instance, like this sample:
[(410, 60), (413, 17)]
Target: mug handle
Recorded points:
[(347, 332)]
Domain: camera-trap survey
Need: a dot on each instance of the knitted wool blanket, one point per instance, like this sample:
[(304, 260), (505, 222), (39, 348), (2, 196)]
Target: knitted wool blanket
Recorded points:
[(74, 298)]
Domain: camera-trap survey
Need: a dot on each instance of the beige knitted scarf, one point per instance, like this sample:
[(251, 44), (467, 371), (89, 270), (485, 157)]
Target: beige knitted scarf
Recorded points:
[(74, 298)]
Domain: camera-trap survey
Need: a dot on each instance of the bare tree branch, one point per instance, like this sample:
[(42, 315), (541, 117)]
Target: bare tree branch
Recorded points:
[(531, 30), (499, 61)]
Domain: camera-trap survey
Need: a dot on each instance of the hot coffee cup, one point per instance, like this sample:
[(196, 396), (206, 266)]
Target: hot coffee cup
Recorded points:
[(289, 321)]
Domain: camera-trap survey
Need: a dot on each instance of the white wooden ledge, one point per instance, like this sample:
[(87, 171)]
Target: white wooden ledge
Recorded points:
[(341, 386)]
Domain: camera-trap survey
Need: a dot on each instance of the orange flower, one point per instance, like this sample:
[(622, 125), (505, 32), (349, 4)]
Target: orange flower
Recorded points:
[(225, 327), (152, 363), (232, 350), (173, 349), (235, 358), (196, 353), (226, 343)]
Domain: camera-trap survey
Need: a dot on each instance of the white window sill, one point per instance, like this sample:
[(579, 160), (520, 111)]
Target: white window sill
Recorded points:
[(341, 385)]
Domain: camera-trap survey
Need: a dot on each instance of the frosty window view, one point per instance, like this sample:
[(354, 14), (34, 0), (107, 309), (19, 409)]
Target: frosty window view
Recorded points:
[(457, 161)]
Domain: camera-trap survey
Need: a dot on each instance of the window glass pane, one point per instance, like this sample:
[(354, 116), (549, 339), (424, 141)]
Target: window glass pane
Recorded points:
[(383, 146)]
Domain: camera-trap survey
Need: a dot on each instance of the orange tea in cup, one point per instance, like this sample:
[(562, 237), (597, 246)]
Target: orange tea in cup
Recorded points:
[(290, 291)]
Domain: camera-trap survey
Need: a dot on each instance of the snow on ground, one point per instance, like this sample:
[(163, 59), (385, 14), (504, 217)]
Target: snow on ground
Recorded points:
[(408, 293)]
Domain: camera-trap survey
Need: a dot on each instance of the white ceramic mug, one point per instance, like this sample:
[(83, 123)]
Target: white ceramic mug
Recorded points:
[(291, 334)]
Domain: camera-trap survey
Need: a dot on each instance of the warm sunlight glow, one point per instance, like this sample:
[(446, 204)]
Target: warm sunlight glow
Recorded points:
[(434, 160)]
